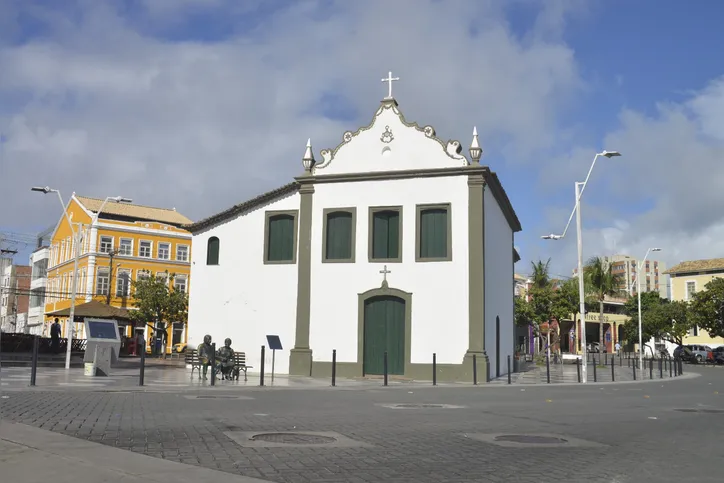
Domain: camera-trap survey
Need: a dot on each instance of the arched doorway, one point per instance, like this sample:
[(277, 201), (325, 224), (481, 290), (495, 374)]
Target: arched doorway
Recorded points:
[(384, 330)]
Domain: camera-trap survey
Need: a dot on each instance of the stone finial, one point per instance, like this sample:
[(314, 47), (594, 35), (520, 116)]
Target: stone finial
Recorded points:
[(475, 150), (308, 159)]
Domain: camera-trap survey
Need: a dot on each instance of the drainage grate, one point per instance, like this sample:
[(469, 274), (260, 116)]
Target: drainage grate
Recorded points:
[(530, 439), (705, 411), (293, 438)]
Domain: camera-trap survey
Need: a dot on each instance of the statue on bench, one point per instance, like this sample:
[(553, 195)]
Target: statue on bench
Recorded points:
[(205, 352), (226, 360)]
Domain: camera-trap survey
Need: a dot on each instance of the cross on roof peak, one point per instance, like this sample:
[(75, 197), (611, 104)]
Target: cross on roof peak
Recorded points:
[(389, 81)]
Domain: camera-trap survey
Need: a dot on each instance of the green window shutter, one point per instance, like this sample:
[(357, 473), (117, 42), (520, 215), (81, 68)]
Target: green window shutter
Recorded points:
[(280, 239), (386, 235), (339, 236), (433, 233), (212, 251)]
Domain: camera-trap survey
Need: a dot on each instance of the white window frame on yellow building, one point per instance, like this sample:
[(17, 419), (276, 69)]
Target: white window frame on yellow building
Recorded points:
[(167, 246), (179, 246), (101, 248), (686, 289), (107, 277), (123, 291), (121, 247), (150, 248)]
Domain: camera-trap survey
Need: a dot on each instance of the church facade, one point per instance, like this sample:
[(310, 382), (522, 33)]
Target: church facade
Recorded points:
[(392, 242)]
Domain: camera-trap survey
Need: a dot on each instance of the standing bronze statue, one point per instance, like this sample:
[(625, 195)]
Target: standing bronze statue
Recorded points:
[(226, 359), (205, 352)]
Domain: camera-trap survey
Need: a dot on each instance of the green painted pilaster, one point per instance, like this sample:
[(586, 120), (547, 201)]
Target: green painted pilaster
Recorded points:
[(300, 357), (476, 275)]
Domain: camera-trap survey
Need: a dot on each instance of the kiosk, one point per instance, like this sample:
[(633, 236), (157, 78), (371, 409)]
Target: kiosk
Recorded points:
[(103, 344)]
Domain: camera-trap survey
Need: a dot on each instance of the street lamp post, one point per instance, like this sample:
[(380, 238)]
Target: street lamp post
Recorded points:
[(638, 295), (77, 240), (579, 187)]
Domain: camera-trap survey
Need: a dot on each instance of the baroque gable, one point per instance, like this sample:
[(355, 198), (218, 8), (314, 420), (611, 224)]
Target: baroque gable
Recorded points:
[(389, 143)]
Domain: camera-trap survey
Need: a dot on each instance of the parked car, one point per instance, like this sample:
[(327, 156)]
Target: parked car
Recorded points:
[(718, 354), (694, 353), (179, 348)]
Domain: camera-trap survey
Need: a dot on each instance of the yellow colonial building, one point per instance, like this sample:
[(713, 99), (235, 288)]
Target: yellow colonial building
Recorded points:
[(689, 277), (120, 242)]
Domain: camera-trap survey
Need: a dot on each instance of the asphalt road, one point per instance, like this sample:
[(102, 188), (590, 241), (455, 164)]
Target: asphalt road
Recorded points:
[(614, 432)]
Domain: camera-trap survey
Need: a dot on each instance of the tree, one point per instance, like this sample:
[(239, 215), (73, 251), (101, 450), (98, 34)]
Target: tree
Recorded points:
[(602, 282), (522, 312), (156, 303), (660, 318), (707, 308), (565, 299)]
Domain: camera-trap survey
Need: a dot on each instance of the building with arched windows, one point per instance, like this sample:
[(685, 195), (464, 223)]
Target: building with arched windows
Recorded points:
[(392, 243)]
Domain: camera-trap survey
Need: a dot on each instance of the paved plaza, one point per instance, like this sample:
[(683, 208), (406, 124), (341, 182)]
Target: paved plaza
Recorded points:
[(303, 430)]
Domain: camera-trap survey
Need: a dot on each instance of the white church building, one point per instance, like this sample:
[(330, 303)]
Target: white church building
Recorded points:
[(392, 242)]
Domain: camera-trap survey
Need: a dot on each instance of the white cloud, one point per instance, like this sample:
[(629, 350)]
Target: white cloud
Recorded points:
[(99, 108)]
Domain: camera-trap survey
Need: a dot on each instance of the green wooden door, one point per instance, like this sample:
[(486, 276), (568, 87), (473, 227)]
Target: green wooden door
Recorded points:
[(384, 330)]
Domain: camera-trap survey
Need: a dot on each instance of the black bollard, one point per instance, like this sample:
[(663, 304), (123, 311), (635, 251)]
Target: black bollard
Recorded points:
[(261, 366), (213, 363), (681, 366), (434, 369), (613, 369), (142, 372), (385, 368), (334, 367), (671, 374), (578, 368), (509, 375), (548, 369), (628, 362), (620, 361), (595, 376), (634, 370), (676, 368), (34, 367), (651, 368), (475, 370), (661, 368), (605, 354)]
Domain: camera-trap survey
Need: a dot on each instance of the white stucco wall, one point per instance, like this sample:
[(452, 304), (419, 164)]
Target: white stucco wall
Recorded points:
[(242, 298), (439, 289), (498, 283)]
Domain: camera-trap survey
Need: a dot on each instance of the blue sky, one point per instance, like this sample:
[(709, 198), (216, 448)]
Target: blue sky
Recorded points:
[(151, 99)]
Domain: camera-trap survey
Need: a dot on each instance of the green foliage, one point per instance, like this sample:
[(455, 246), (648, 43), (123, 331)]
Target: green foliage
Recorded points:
[(660, 318), (522, 312), (707, 308), (157, 304)]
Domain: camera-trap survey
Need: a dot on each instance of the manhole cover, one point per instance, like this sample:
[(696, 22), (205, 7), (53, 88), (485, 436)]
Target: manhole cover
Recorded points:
[(419, 406), (293, 438), (529, 439)]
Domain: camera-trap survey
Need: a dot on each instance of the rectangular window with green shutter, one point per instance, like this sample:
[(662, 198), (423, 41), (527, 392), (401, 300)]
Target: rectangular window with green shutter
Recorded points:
[(339, 235), (385, 234), (280, 241), (433, 233)]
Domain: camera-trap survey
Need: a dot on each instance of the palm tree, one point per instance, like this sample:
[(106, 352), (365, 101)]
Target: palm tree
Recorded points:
[(601, 282), (540, 275)]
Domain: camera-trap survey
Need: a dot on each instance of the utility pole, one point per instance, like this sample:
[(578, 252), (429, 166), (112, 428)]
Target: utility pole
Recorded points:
[(111, 254)]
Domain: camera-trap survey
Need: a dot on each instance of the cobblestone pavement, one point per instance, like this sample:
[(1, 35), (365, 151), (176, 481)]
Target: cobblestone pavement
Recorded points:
[(640, 436)]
